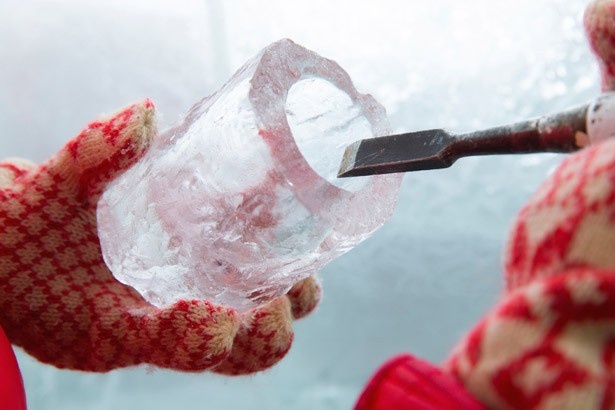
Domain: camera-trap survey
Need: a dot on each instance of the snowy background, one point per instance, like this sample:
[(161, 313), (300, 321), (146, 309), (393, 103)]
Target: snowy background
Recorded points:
[(424, 278)]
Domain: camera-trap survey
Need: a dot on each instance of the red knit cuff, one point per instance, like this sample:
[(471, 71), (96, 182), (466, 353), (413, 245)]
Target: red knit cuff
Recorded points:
[(405, 382)]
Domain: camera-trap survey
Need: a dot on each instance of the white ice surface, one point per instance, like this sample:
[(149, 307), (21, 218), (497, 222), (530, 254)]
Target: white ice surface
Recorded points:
[(425, 277)]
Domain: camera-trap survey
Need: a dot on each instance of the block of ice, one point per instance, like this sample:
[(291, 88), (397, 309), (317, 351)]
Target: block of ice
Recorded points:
[(240, 200)]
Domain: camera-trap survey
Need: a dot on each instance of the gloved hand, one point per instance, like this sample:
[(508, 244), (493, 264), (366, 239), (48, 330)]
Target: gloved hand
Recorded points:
[(550, 341), (61, 304)]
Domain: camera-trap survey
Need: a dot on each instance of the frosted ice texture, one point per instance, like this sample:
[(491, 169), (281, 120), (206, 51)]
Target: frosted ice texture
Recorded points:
[(240, 200)]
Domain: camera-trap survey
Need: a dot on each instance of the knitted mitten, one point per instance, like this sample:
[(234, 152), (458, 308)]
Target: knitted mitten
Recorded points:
[(550, 343), (61, 304)]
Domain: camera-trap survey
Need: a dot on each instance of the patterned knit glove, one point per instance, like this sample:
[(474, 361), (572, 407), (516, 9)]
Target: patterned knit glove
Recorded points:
[(550, 343), (61, 304)]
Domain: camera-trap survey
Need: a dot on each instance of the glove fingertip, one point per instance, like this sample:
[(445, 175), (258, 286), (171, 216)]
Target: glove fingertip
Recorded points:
[(105, 149), (190, 335), (599, 21), (304, 297), (264, 338), (116, 145)]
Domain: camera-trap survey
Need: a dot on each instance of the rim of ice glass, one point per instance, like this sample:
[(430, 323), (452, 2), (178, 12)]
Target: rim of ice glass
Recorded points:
[(277, 71)]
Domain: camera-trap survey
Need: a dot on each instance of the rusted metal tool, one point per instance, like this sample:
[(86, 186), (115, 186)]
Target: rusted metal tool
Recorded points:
[(566, 131)]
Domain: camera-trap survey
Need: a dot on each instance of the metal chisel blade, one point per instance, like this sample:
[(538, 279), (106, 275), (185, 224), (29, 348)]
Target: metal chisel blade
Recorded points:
[(565, 131), (413, 151)]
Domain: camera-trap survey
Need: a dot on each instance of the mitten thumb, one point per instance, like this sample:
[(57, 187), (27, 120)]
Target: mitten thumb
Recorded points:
[(104, 150)]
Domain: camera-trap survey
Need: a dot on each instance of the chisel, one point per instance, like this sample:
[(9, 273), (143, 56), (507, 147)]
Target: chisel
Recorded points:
[(565, 131)]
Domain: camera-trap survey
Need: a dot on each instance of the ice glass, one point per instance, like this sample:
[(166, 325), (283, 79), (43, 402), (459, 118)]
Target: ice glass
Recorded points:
[(240, 200)]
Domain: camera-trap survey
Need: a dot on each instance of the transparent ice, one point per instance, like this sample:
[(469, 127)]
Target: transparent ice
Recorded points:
[(428, 274), (241, 200)]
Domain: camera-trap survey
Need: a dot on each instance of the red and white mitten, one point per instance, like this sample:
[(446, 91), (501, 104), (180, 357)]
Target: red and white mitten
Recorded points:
[(550, 343), (61, 304)]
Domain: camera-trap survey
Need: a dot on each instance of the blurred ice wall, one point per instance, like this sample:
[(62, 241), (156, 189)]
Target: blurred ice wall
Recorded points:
[(429, 274)]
